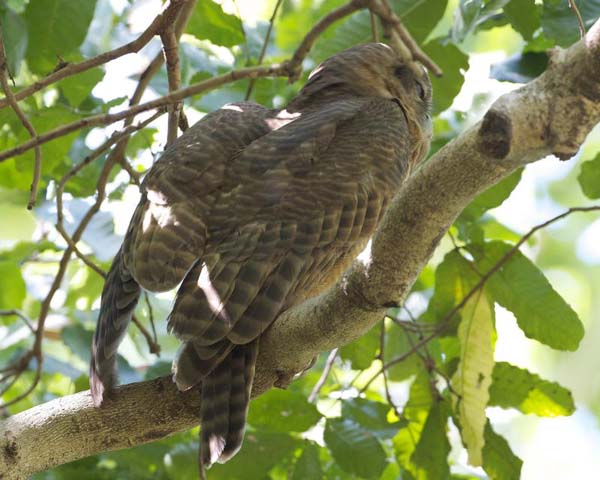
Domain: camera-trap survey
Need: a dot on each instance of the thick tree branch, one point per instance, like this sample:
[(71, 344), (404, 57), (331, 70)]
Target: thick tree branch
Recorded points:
[(552, 114)]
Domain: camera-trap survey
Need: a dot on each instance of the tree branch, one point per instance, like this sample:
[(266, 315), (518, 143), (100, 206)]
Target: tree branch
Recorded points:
[(552, 114)]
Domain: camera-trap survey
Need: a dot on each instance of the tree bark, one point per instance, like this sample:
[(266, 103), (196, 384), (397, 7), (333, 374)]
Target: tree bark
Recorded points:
[(551, 115)]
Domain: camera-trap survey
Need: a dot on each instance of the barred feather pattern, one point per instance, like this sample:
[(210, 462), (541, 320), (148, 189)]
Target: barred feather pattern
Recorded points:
[(252, 211)]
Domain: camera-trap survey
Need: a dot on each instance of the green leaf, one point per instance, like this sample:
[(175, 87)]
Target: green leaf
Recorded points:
[(54, 153), (454, 278), (419, 18), (514, 387), (56, 29), (210, 22), (77, 88), (589, 178), (362, 352), (431, 453), (14, 34), (370, 415), (181, 463), (493, 197), (520, 68), (521, 287), (453, 62), (260, 452), (415, 411), (355, 449), (282, 411), (560, 23), (524, 16), (471, 14), (474, 373), (12, 285), (397, 343), (78, 339), (499, 461), (308, 465)]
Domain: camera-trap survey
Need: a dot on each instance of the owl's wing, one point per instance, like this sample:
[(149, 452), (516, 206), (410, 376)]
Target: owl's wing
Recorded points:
[(168, 230), (311, 192)]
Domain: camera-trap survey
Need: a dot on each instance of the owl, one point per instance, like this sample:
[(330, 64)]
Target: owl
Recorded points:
[(252, 211)]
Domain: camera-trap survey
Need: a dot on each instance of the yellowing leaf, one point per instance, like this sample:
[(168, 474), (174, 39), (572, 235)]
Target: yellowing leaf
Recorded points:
[(473, 376)]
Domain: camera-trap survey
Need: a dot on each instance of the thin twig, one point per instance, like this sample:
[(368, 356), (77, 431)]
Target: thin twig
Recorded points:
[(385, 12), (374, 31), (10, 98), (573, 6), (176, 96), (153, 346), (21, 315), (326, 370), (171, 51), (165, 18), (290, 69), (386, 385), (151, 316), (443, 324), (263, 50), (310, 38)]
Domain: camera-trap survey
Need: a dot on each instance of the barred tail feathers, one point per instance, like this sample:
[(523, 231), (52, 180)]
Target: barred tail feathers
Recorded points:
[(225, 398), (119, 298)]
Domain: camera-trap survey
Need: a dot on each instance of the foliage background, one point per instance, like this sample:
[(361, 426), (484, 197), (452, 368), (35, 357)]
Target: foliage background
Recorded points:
[(343, 434)]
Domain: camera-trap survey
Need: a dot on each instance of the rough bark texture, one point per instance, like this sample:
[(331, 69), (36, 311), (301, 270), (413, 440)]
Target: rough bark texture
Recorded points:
[(551, 115)]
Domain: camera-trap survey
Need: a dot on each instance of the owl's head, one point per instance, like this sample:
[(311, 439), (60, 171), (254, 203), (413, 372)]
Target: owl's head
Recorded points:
[(375, 70)]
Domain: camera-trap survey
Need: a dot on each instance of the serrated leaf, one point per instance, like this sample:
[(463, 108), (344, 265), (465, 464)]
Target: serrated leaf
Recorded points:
[(308, 464), (499, 461), (355, 449), (514, 387), (474, 373), (431, 453), (370, 415), (56, 29), (524, 16), (362, 351), (560, 23), (210, 22), (12, 285), (522, 288), (589, 178), (283, 411)]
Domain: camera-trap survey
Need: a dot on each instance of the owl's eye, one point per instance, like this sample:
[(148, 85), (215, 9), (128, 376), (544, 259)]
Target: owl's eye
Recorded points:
[(400, 71), (420, 90)]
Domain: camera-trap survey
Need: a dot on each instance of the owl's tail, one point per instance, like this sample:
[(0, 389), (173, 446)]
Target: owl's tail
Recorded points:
[(119, 298), (225, 398)]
